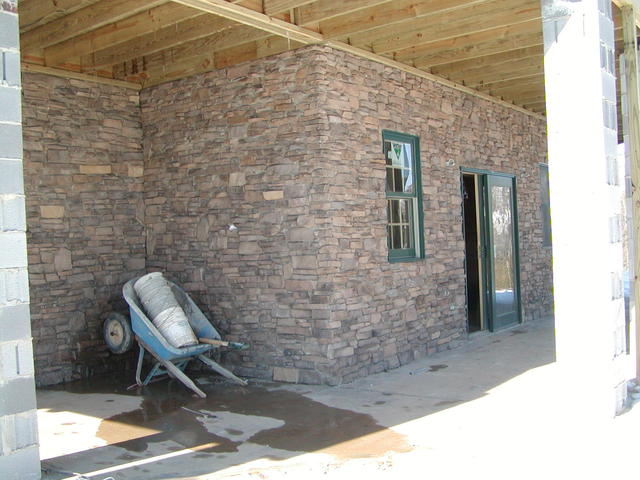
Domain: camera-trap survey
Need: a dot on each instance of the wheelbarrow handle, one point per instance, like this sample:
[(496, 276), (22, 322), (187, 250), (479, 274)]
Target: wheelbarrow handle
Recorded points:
[(223, 343)]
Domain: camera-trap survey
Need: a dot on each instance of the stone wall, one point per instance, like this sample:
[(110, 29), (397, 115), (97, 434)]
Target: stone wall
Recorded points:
[(83, 180), (386, 314), (287, 149)]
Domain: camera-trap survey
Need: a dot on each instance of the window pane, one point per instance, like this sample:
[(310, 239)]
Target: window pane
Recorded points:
[(406, 157), (395, 237), (395, 211), (407, 178), (406, 237), (397, 180), (404, 211)]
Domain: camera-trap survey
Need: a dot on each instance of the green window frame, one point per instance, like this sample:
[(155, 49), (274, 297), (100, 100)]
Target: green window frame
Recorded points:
[(403, 191)]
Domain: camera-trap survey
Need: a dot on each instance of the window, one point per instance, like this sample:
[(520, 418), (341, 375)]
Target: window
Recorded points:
[(545, 205), (404, 196)]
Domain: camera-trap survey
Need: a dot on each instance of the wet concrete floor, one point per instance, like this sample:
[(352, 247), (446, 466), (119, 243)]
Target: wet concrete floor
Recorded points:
[(470, 410)]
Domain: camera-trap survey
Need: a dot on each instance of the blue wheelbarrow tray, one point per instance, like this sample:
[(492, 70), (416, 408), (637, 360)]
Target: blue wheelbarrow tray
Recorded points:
[(169, 359)]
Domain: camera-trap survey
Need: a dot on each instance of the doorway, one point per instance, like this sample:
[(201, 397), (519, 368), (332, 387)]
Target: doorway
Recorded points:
[(491, 250)]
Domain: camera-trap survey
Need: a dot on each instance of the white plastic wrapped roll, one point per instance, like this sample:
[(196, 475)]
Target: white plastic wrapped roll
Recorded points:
[(164, 310)]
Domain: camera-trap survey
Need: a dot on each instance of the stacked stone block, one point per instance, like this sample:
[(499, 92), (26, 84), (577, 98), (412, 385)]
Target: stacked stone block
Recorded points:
[(19, 459), (288, 150), (84, 182)]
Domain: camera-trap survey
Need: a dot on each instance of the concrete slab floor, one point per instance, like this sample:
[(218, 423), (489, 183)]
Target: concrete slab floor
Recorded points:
[(495, 408)]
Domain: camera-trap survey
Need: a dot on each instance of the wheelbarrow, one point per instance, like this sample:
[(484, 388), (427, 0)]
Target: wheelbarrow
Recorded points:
[(168, 359)]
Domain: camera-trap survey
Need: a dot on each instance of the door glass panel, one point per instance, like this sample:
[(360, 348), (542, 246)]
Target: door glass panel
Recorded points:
[(504, 281)]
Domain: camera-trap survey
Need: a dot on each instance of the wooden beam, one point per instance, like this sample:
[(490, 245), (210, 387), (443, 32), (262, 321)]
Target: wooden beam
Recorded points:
[(476, 18), (530, 80), (254, 19), (153, 20), (388, 14), (326, 9), (472, 45), (208, 61), (489, 61), (82, 21), (271, 7), (498, 71), (57, 72), (166, 38), (633, 107), (33, 13), (522, 72)]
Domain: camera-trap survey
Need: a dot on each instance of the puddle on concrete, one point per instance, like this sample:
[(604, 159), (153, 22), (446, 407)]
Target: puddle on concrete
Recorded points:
[(281, 419)]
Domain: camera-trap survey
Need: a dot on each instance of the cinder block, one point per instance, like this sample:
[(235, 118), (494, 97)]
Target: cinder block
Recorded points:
[(21, 465), (16, 359), (14, 286), (10, 69), (12, 213), (13, 246), (10, 99), (17, 396), (10, 141), (11, 179), (9, 35), (15, 322), (26, 429)]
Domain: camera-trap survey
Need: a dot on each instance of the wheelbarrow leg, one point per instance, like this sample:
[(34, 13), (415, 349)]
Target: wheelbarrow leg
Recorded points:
[(221, 370), (139, 367), (179, 374)]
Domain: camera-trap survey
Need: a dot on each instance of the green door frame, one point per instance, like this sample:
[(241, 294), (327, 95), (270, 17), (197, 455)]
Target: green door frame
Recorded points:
[(485, 232)]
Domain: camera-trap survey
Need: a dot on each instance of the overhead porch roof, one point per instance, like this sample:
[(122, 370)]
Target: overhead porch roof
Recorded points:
[(489, 48)]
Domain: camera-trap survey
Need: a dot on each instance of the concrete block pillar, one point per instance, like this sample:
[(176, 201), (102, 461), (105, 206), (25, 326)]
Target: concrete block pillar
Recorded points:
[(19, 458), (586, 203)]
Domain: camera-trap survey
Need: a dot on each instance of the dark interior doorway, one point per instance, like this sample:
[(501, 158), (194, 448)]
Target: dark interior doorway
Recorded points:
[(472, 247)]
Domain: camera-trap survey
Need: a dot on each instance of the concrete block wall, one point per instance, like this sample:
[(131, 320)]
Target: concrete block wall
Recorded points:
[(19, 459), (83, 179), (287, 149)]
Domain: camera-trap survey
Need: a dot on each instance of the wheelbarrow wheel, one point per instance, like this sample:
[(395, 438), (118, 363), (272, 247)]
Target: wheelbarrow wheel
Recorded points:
[(117, 333)]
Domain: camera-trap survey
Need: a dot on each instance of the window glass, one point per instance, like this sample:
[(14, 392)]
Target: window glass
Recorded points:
[(404, 210)]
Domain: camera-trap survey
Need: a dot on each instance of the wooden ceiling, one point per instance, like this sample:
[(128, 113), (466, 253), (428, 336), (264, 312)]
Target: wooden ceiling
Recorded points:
[(487, 47)]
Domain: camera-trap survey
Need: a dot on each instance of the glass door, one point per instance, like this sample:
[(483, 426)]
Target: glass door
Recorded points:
[(502, 252)]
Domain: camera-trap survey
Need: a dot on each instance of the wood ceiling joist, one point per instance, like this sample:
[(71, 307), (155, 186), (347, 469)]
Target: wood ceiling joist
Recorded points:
[(475, 18), (504, 75), (389, 14), (153, 20), (271, 7), (468, 46), (238, 37), (536, 79), (501, 71), (33, 13), (326, 9), (255, 19), (489, 61), (169, 37), (83, 21), (160, 72)]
